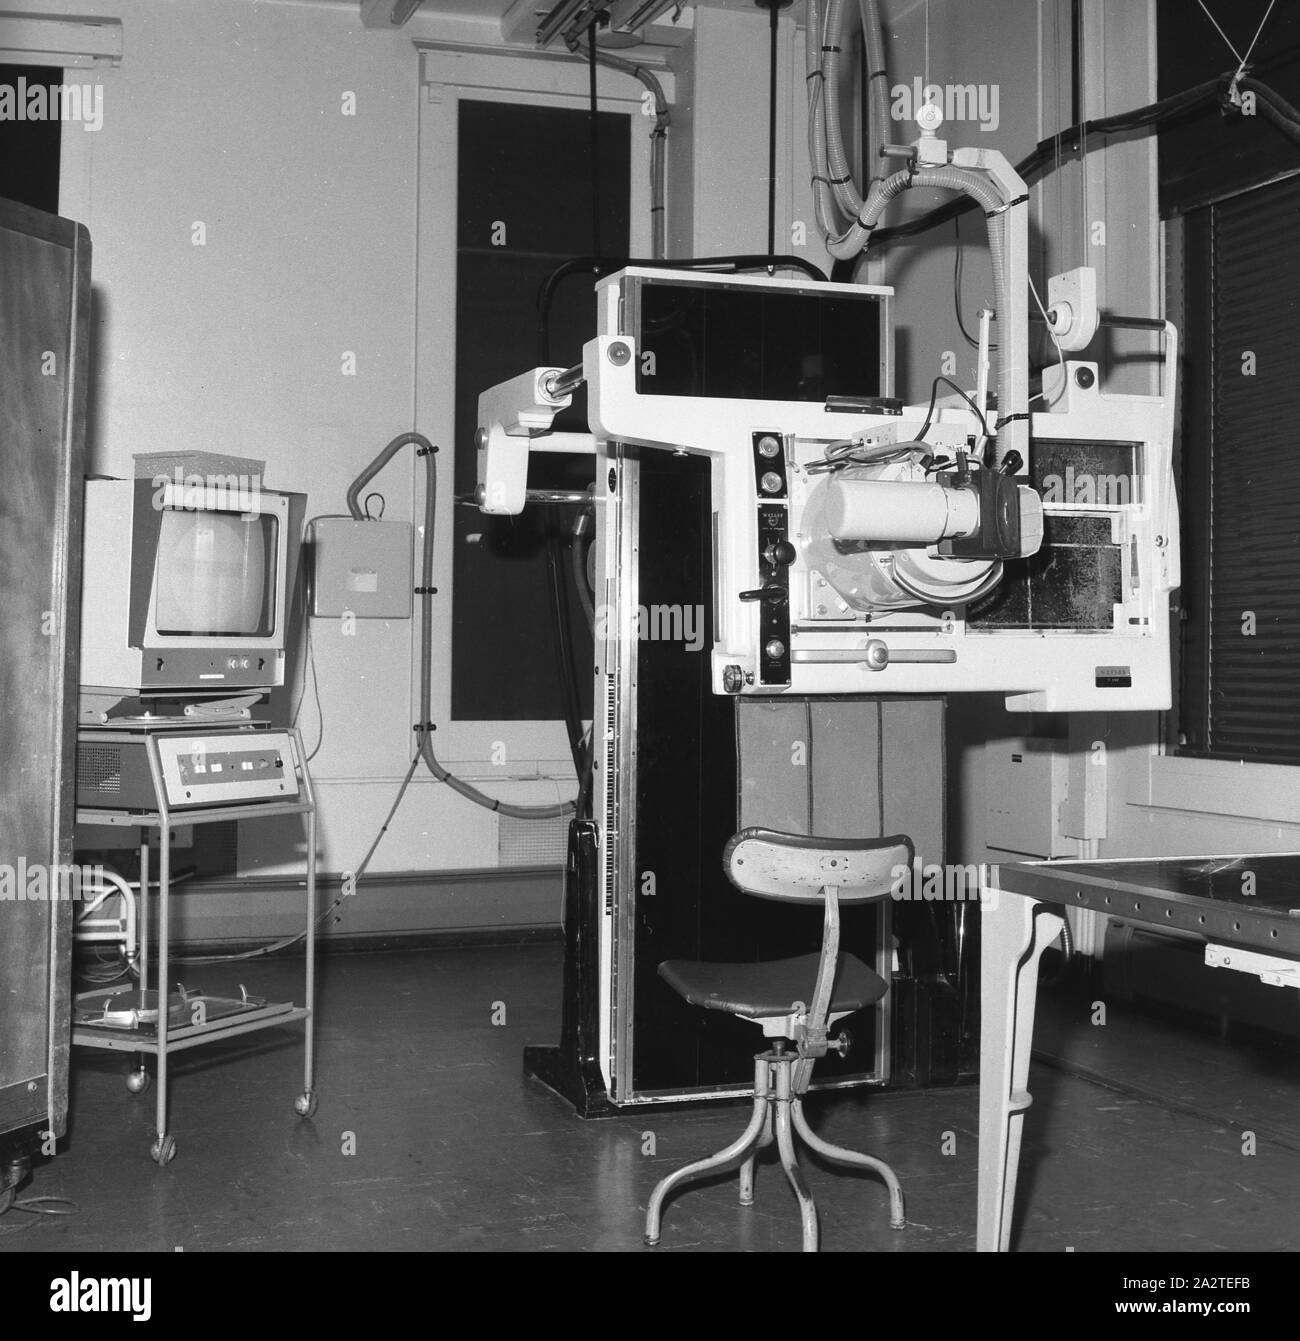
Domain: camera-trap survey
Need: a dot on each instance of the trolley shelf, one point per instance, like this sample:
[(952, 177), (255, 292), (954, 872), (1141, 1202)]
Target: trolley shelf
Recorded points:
[(120, 1038)]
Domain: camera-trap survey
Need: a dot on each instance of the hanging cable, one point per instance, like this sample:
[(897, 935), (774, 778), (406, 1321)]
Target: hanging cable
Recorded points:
[(1060, 353), (424, 727), (1245, 60), (773, 10), (658, 136), (1221, 33), (925, 83), (1080, 86), (350, 881), (834, 191), (1074, 113), (593, 113), (957, 265)]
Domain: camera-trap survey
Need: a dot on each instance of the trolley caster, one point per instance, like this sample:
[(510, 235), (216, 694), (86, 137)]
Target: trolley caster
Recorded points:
[(305, 1104), (138, 1081), (163, 1150)]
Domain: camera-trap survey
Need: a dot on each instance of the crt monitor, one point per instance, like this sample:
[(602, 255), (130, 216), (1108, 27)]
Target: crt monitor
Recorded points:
[(187, 588)]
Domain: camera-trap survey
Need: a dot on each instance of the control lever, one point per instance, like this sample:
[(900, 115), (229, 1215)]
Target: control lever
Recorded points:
[(774, 593)]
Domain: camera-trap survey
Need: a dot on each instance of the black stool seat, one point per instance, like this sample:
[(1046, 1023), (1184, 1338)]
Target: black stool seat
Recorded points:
[(771, 987)]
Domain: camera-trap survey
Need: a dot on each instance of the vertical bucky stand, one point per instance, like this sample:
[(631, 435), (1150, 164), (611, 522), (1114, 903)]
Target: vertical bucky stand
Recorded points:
[(208, 1018)]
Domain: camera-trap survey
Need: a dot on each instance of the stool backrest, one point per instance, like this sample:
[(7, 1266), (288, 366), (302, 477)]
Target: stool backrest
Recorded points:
[(798, 867)]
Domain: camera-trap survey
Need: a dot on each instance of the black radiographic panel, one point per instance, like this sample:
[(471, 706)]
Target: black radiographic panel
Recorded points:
[(685, 798), (687, 807), (703, 340)]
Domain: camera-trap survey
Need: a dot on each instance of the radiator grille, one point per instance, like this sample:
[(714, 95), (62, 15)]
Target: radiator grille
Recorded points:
[(525, 842), (99, 768)]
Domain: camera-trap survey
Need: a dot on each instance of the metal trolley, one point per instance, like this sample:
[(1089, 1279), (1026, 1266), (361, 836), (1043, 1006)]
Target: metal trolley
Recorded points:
[(176, 801)]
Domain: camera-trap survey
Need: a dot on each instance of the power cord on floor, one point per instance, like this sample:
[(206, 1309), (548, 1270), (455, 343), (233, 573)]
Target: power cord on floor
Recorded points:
[(33, 1206), (92, 966)]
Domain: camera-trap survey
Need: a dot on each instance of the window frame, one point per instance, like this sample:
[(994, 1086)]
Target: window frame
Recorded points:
[(532, 749)]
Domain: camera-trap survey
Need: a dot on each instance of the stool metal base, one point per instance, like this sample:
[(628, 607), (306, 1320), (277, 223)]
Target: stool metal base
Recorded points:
[(778, 1115)]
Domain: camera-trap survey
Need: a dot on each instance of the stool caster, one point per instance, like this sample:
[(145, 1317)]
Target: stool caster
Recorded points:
[(305, 1104)]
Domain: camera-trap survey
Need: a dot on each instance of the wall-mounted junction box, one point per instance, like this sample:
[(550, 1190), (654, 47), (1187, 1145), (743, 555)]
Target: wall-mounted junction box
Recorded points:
[(1025, 781), (361, 568)]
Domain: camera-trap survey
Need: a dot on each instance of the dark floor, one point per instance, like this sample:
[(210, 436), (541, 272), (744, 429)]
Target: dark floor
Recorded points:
[(429, 1137)]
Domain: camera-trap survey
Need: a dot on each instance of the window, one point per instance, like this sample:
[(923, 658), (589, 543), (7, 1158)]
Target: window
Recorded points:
[(29, 148), (481, 118), (524, 207)]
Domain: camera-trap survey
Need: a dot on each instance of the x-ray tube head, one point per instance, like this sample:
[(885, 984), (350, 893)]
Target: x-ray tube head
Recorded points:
[(871, 532), (863, 506)]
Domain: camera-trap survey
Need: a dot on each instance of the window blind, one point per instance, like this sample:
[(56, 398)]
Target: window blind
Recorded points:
[(1241, 505)]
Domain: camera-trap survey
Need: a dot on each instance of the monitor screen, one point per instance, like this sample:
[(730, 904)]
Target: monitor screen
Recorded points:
[(215, 574)]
